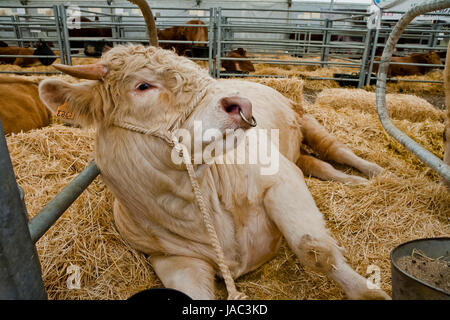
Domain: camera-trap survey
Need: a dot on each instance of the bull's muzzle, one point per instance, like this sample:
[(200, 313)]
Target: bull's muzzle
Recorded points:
[(240, 109)]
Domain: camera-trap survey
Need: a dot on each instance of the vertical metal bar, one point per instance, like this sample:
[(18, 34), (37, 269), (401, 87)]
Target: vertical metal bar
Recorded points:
[(218, 41), (372, 56), (362, 71), (115, 30), (65, 33), (20, 270), (62, 54), (211, 39), (325, 42), (17, 30), (435, 35)]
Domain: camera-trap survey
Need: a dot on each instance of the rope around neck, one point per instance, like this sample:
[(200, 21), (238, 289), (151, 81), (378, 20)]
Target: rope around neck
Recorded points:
[(170, 138), (233, 294)]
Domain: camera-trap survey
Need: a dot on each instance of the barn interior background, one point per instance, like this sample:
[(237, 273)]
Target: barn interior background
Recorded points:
[(301, 48), (344, 35)]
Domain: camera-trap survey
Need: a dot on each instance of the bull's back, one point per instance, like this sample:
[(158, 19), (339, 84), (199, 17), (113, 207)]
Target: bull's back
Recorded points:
[(20, 106), (21, 61)]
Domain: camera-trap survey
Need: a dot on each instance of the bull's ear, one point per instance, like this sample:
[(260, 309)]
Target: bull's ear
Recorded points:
[(74, 103)]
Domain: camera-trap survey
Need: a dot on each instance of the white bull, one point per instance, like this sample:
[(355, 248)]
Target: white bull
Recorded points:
[(155, 209)]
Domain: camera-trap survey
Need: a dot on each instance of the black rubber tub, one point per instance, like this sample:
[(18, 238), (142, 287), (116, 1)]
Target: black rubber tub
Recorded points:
[(407, 287)]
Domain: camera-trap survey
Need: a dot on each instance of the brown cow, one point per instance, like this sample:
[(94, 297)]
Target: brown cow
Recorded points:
[(405, 70), (180, 33), (20, 108), (91, 48), (42, 49), (237, 65)]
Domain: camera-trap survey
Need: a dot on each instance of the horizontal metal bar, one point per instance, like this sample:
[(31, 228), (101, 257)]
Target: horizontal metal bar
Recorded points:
[(297, 11), (290, 62), (413, 64), (410, 80), (289, 44), (56, 207), (24, 56)]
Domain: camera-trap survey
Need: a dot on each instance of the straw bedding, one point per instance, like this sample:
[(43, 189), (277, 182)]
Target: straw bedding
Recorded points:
[(313, 71), (400, 106), (368, 221)]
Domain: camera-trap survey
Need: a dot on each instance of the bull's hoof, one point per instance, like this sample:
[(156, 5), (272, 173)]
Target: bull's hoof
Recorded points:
[(373, 170), (370, 294), (356, 180)]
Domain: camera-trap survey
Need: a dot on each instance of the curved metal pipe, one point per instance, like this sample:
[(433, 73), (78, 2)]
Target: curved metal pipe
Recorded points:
[(430, 159)]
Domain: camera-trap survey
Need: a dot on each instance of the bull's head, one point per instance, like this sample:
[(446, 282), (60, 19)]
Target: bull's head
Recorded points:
[(146, 86)]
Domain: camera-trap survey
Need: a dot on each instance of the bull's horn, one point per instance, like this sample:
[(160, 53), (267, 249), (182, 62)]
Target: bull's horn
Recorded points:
[(88, 71), (149, 21)]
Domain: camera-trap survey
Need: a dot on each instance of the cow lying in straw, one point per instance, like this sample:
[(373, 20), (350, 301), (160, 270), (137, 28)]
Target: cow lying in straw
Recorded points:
[(42, 49), (238, 65), (140, 93), (405, 70)]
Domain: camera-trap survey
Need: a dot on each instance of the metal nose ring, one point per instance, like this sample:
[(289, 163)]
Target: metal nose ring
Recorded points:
[(252, 123)]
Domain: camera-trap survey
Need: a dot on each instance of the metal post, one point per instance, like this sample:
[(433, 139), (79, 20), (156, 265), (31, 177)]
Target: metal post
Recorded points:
[(434, 35), (59, 35), (211, 39), (325, 42), (17, 30), (218, 41), (372, 56), (423, 154), (20, 270), (65, 33), (362, 71)]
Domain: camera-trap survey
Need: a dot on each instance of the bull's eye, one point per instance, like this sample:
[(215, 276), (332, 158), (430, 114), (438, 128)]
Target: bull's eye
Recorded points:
[(144, 86)]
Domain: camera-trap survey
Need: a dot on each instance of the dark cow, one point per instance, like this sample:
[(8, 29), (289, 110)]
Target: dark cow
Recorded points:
[(238, 65), (405, 70), (91, 48), (42, 49)]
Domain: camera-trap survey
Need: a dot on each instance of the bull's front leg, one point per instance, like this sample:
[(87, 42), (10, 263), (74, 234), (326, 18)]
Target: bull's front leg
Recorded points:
[(292, 208), (191, 276)]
